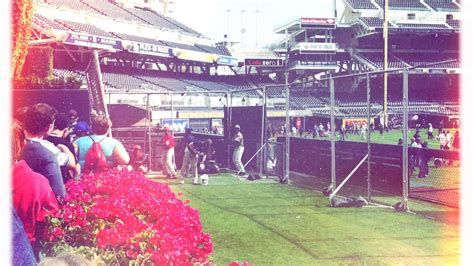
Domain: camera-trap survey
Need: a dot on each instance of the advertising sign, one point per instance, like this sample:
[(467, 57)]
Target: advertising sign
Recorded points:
[(93, 41), (178, 124), (150, 49), (317, 48), (227, 61), (263, 62), (195, 56), (318, 23), (360, 121)]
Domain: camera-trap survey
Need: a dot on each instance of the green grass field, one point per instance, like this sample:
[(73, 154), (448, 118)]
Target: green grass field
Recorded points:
[(266, 223), (392, 137)]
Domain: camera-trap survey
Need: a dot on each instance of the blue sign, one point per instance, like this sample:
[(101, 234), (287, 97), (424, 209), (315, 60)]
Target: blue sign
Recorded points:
[(93, 41), (227, 60), (178, 125)]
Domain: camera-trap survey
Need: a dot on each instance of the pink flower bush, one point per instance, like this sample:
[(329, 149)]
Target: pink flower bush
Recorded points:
[(124, 217)]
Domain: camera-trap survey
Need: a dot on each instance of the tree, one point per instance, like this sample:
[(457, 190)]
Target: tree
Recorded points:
[(22, 16)]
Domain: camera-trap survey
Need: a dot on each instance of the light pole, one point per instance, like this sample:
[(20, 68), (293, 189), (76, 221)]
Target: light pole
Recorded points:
[(242, 30), (256, 27), (228, 17)]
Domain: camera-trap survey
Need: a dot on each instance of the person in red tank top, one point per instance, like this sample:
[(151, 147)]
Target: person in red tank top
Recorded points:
[(167, 157)]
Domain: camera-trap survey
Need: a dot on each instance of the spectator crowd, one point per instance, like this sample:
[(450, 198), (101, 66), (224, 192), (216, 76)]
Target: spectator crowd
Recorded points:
[(50, 148)]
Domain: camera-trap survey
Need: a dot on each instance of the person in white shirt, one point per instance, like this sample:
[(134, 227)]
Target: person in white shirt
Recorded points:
[(430, 131), (238, 143), (449, 140), (443, 140)]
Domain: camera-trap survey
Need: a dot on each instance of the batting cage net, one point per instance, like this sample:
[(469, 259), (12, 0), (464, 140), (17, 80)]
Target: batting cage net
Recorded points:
[(347, 136), (376, 136)]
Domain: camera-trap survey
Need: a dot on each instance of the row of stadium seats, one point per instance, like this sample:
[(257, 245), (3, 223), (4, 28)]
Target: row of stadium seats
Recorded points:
[(378, 60), (46, 23), (114, 11), (361, 4), (375, 22), (423, 59), (125, 80), (399, 60), (86, 28), (438, 5), (454, 23), (403, 4), (442, 5)]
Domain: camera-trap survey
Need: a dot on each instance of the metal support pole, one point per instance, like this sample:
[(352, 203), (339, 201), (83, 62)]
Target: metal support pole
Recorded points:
[(262, 139), (369, 180), (333, 143), (172, 111), (228, 126), (288, 130), (405, 141), (287, 108), (385, 64), (148, 114)]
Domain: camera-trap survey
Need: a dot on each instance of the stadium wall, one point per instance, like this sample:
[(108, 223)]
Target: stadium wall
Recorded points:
[(62, 100)]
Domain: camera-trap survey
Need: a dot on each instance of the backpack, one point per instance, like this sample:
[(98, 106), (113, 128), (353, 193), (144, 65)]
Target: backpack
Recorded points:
[(95, 160)]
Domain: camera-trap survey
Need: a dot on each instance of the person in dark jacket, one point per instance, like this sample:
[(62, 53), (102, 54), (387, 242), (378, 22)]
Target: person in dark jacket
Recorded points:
[(41, 155), (425, 156)]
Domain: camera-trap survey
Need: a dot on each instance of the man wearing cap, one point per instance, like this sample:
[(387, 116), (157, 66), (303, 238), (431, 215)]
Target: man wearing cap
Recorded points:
[(138, 159), (80, 129), (168, 153), (238, 143), (190, 158)]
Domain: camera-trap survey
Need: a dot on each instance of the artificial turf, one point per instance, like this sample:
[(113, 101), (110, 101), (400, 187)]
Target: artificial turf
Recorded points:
[(266, 223)]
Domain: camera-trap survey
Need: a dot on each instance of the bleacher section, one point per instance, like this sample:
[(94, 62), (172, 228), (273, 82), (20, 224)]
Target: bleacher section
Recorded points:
[(442, 5), (454, 23), (223, 50), (373, 22), (347, 104), (61, 24), (417, 59), (360, 4), (84, 28), (73, 4), (307, 101), (127, 83), (378, 60), (211, 49), (403, 4), (437, 27), (112, 10), (46, 23), (115, 11), (66, 73)]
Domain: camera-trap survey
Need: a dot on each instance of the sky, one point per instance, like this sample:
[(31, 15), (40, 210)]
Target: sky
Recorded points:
[(214, 20)]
